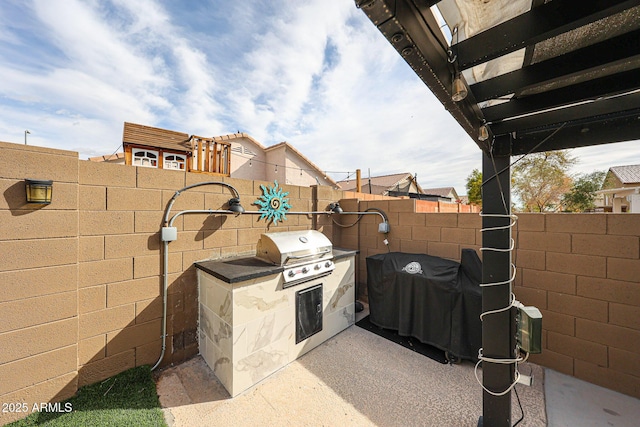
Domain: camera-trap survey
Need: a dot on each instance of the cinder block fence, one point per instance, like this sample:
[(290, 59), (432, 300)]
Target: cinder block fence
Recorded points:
[(581, 270), (80, 279)]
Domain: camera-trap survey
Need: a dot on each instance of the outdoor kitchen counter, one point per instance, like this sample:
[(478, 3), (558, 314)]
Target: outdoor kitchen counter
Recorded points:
[(250, 324), (240, 269)]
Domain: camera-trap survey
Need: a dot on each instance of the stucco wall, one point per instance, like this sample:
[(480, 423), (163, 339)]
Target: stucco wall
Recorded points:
[(581, 270)]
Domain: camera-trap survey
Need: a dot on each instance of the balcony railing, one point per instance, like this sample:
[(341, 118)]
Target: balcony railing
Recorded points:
[(210, 156)]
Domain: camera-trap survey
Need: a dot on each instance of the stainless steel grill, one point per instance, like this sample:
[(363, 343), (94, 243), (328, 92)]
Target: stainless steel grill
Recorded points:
[(305, 255)]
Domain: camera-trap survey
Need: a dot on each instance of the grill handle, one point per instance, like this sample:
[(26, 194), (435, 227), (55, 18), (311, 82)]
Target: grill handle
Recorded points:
[(321, 253)]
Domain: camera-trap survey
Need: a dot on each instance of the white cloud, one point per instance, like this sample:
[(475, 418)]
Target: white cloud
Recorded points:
[(96, 46), (316, 73)]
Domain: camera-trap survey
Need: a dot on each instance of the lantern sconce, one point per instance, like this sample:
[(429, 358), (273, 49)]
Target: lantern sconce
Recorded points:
[(459, 89), (38, 191), (335, 208)]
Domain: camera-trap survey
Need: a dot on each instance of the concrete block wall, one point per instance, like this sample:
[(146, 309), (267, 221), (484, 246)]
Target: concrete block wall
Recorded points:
[(120, 299), (80, 279), (581, 270), (38, 278), (438, 234), (432, 206)]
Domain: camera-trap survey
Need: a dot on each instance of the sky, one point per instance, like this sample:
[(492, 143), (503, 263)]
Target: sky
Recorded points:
[(314, 73)]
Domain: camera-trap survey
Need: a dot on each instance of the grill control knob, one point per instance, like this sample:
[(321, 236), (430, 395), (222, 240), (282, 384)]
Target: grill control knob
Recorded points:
[(305, 270), (291, 273), (327, 264), (317, 267)]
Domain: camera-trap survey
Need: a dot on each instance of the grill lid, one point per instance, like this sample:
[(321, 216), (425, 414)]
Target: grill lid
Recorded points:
[(293, 247)]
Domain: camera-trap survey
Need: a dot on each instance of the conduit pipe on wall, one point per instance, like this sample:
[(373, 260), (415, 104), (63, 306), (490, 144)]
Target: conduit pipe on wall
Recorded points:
[(378, 212), (169, 234), (198, 184), (165, 261)]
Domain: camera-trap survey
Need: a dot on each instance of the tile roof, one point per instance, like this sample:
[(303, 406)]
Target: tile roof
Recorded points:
[(155, 137), (629, 174), (443, 191), (230, 137), (107, 158), (383, 181), (163, 138)]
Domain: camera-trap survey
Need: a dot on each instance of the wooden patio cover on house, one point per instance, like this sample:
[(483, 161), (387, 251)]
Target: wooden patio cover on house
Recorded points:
[(531, 66)]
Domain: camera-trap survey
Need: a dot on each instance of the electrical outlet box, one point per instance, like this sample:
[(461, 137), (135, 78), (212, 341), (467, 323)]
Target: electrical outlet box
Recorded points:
[(169, 234), (530, 329), (525, 380), (383, 227)]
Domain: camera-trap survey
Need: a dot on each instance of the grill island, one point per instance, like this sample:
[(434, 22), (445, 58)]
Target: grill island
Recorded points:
[(259, 313)]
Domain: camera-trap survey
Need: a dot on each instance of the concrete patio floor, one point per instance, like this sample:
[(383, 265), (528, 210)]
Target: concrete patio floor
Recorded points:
[(360, 379), (354, 379)]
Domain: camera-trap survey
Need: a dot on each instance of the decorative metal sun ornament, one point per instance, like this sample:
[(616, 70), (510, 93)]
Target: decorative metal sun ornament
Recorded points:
[(273, 203)]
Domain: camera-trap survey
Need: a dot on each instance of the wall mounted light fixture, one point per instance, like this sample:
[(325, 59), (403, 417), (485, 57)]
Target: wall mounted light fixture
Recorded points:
[(235, 206), (335, 208), (38, 191)]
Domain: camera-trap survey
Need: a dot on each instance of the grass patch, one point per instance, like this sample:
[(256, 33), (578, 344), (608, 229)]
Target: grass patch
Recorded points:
[(127, 399)]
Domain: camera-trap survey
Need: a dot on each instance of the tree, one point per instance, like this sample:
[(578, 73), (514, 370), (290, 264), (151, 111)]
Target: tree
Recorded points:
[(541, 179), (581, 196), (474, 187)]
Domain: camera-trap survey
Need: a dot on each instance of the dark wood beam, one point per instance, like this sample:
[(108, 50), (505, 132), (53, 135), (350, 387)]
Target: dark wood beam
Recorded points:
[(606, 130), (589, 90), (540, 23), (425, 3), (414, 32), (596, 56), (612, 106)]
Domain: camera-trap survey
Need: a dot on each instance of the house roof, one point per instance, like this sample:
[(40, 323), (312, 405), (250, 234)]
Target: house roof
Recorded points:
[(155, 137), (443, 191), (379, 184), (375, 189), (179, 141), (629, 174), (620, 191), (107, 158), (232, 136), (541, 75)]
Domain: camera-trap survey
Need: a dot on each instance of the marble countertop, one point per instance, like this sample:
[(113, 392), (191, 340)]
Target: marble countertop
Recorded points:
[(234, 270)]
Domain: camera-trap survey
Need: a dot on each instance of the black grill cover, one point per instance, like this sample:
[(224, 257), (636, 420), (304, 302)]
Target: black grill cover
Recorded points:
[(435, 300)]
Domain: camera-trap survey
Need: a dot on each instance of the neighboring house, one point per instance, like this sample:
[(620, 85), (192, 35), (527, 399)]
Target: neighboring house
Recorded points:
[(281, 162), (400, 184), (621, 189), (448, 193), (235, 155), (151, 147)]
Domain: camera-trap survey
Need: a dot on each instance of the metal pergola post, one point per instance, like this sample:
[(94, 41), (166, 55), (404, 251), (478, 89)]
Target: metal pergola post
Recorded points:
[(498, 329)]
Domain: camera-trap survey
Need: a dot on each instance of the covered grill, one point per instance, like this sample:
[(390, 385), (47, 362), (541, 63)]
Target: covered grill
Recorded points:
[(305, 255)]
